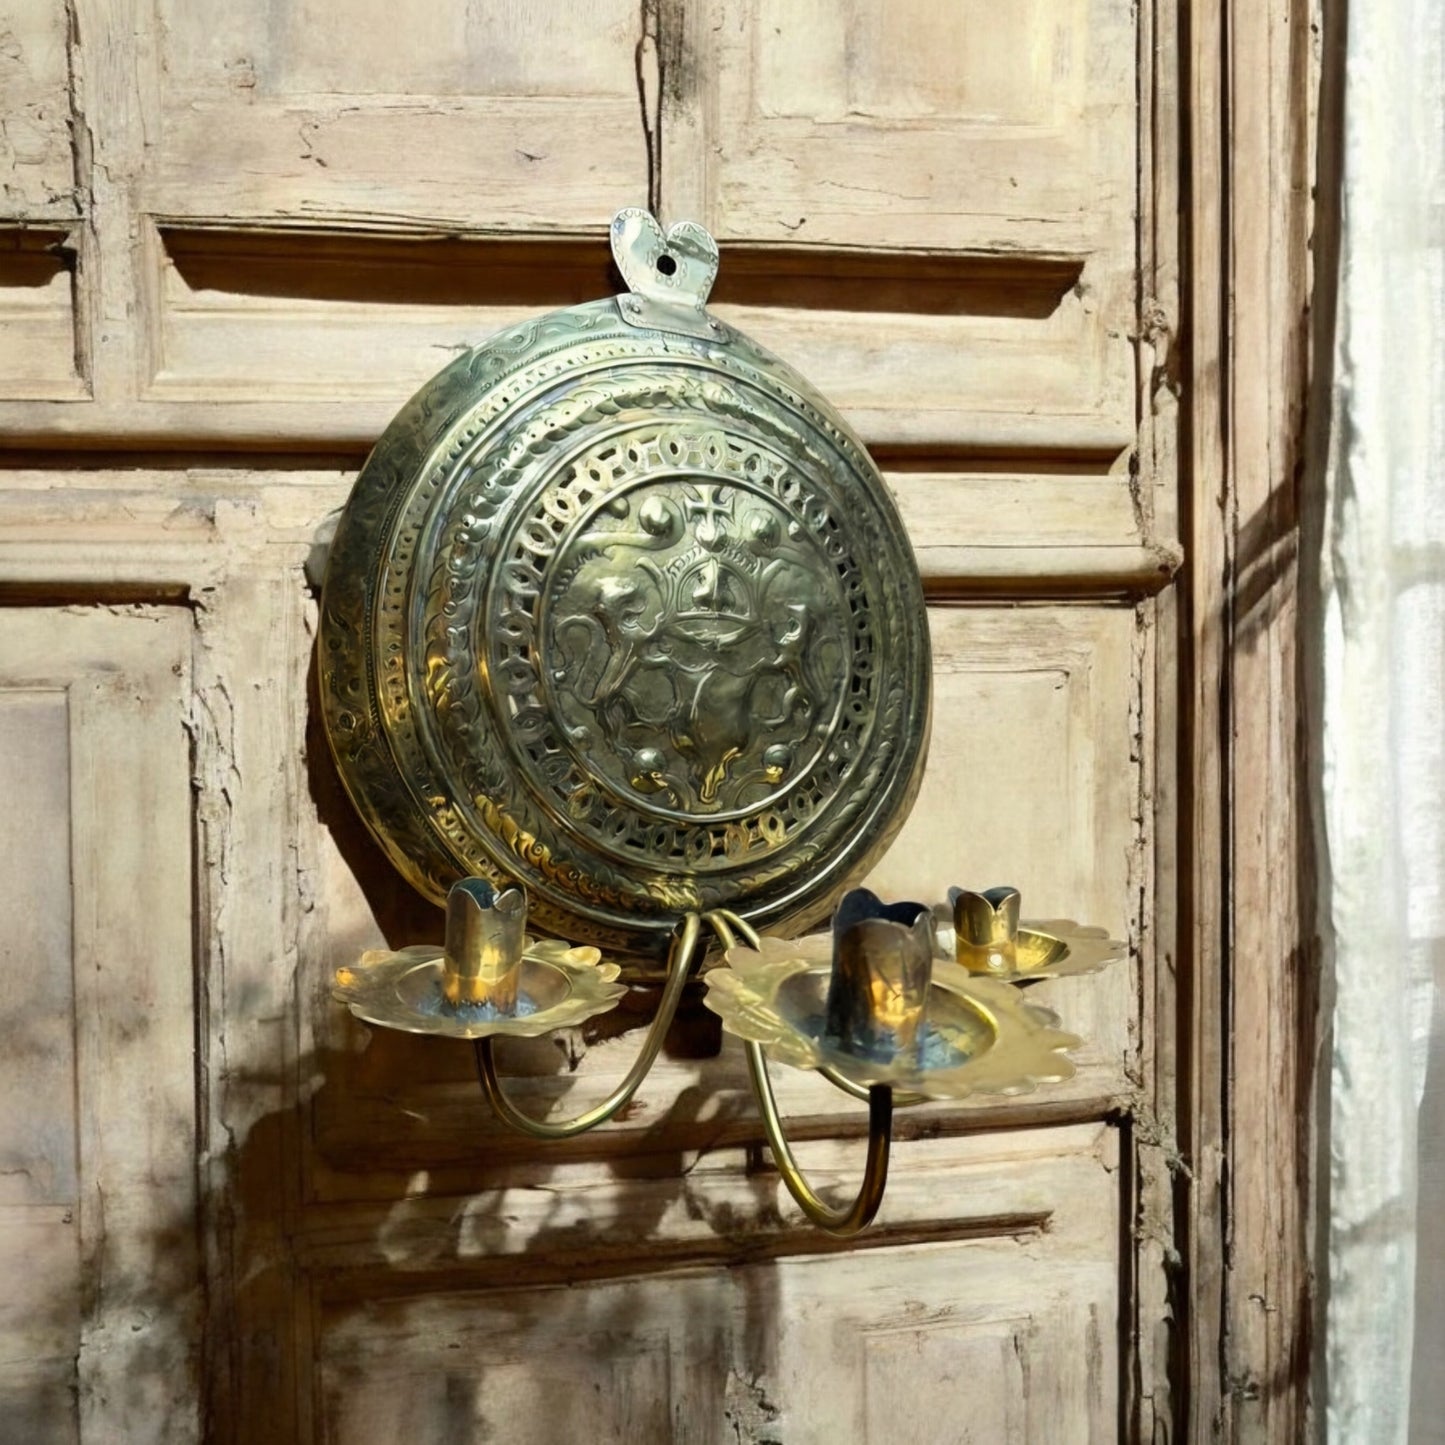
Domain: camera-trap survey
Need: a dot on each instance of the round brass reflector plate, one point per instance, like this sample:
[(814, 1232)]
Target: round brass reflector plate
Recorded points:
[(619, 610)]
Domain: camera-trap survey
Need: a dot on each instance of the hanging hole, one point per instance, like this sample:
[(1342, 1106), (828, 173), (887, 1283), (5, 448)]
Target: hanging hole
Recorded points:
[(666, 265)]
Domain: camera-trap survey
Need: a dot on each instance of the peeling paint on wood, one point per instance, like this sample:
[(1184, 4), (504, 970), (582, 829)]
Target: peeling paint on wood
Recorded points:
[(967, 231)]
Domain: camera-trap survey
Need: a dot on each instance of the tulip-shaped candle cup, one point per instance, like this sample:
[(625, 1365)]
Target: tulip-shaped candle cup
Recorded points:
[(486, 934), (882, 967), (986, 930)]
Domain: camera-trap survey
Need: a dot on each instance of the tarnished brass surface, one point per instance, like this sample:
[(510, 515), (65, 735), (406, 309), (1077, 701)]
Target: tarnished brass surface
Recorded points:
[(983, 1037), (486, 937), (558, 985), (620, 610), (679, 966), (842, 1220), (882, 968), (982, 932)]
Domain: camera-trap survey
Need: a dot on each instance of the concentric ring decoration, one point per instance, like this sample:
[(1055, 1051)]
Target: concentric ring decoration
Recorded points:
[(620, 610)]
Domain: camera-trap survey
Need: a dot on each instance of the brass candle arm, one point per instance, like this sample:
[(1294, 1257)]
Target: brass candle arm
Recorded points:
[(843, 1221), (902, 1098), (859, 1214), (872, 1008), (849, 1219), (680, 960)]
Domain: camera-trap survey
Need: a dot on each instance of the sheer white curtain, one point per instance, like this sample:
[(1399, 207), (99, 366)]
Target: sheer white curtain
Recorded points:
[(1384, 740)]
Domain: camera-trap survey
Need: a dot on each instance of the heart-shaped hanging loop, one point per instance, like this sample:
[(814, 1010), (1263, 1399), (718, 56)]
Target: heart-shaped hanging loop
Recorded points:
[(677, 269)]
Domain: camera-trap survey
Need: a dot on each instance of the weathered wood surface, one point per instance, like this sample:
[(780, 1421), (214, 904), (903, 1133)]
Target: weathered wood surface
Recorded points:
[(37, 168), (299, 1202), (908, 124), (101, 1303), (975, 294), (965, 226), (1001, 1331), (1251, 966)]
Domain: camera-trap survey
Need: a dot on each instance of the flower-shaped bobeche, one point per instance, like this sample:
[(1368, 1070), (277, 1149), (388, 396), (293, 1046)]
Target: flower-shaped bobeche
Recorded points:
[(872, 1002), (489, 978), (982, 933)]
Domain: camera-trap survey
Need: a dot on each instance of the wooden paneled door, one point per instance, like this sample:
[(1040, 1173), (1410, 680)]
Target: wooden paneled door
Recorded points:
[(233, 240)]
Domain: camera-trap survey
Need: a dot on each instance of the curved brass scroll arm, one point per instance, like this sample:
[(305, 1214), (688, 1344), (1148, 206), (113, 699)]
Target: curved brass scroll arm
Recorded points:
[(902, 1099), (851, 1218), (684, 947), (857, 1215)]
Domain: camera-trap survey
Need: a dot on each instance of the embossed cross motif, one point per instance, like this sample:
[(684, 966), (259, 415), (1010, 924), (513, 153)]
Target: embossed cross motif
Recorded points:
[(711, 507)]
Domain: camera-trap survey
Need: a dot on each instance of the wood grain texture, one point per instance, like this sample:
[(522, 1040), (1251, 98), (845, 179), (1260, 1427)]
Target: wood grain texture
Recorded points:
[(1009, 1328), (1156, 1312), (982, 533), (37, 172), (241, 318), (1253, 963), (251, 662), (971, 229), (37, 314), (492, 116), (951, 127), (98, 1333)]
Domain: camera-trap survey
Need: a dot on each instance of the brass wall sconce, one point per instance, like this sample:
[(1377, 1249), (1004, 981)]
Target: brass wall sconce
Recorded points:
[(621, 630), (869, 1006)]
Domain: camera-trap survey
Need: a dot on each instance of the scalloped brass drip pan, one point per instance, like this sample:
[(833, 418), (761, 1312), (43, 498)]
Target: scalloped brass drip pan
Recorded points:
[(557, 986), (980, 1036)]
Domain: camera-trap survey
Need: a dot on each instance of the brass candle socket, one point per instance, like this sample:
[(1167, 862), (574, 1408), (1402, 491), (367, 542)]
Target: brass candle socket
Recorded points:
[(882, 966), (872, 1006), (982, 933), (489, 978), (808, 1002), (869, 1008), (985, 928), (486, 934)]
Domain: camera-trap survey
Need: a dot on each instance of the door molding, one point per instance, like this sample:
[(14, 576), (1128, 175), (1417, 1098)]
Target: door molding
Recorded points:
[(1248, 970)]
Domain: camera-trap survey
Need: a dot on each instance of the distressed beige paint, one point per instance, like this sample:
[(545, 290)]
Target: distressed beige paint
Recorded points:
[(37, 171), (964, 224), (811, 1346), (97, 1149)]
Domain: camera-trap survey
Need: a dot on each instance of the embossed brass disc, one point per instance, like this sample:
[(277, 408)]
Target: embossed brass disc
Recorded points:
[(621, 611)]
